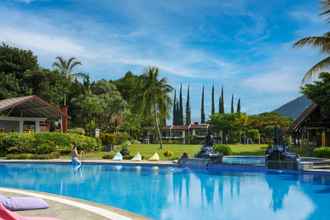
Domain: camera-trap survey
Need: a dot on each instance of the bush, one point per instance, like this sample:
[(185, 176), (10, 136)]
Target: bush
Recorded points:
[(114, 138), (223, 149), (136, 142), (50, 156), (45, 143), (168, 153), (127, 157), (18, 156), (45, 148), (80, 131), (65, 151), (53, 155), (108, 156), (322, 152)]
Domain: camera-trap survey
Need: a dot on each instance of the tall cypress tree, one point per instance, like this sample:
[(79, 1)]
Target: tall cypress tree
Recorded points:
[(181, 120), (188, 108), (174, 122), (222, 102), (202, 108), (212, 102), (232, 104), (239, 106)]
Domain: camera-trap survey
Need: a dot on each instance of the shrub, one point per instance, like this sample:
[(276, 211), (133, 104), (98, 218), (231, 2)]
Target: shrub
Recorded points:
[(65, 151), (18, 156), (322, 152), (45, 143), (108, 156), (127, 157), (125, 152), (45, 148), (168, 153), (136, 142), (53, 155), (224, 149), (80, 131), (114, 138)]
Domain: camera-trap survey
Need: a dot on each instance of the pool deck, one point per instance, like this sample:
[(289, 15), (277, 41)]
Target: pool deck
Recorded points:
[(143, 162), (65, 208)]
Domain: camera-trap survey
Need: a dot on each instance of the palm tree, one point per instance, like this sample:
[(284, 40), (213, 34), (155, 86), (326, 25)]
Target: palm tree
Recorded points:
[(321, 42), (156, 97), (66, 68)]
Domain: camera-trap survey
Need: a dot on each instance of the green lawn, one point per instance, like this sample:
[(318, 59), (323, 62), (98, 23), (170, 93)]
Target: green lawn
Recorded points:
[(250, 149), (147, 150)]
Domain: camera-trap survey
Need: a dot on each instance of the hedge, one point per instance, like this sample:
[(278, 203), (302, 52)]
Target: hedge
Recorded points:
[(53, 155), (44, 143), (322, 152), (223, 149)]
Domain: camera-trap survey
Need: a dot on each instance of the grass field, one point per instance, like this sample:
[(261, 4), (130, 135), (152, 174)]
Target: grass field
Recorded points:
[(147, 150)]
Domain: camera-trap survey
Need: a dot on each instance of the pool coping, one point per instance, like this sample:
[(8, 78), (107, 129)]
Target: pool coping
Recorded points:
[(122, 162), (102, 210), (238, 167)]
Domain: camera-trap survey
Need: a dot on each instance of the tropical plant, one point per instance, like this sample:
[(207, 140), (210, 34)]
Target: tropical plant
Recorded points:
[(156, 100), (66, 66), (319, 92), (321, 42)]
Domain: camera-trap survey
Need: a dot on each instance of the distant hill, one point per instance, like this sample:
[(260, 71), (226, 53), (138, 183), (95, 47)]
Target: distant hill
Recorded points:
[(294, 108)]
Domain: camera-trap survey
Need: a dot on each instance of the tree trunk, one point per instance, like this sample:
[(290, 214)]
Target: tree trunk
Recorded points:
[(158, 129)]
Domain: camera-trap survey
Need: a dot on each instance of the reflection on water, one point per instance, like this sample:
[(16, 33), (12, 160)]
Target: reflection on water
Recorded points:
[(175, 193)]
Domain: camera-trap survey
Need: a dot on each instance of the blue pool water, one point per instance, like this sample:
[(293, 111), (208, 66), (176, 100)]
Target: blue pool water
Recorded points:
[(244, 160), (170, 193)]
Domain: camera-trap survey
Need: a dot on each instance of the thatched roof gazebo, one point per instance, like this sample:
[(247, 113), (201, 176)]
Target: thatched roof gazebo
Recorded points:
[(27, 112)]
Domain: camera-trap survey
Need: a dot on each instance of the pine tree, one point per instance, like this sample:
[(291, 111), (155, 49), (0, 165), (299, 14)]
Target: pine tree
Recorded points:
[(222, 103), (202, 108), (174, 110), (212, 102), (181, 117), (239, 106), (232, 104), (188, 108)]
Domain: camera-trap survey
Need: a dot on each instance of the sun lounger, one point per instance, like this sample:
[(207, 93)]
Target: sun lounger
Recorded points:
[(154, 157), (137, 157), (5, 214), (118, 156), (18, 203)]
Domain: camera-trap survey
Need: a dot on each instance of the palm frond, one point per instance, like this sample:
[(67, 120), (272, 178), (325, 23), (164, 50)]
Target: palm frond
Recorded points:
[(322, 42), (73, 64), (326, 7), (316, 69)]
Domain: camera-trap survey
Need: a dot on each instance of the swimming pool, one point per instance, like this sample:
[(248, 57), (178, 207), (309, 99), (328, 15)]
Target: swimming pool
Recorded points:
[(171, 193), (244, 160)]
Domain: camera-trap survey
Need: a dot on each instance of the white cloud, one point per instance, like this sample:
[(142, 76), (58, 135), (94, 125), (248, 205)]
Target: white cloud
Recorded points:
[(275, 82), (41, 42), (25, 1)]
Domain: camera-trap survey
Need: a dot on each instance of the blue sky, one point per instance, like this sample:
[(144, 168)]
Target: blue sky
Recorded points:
[(244, 45)]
